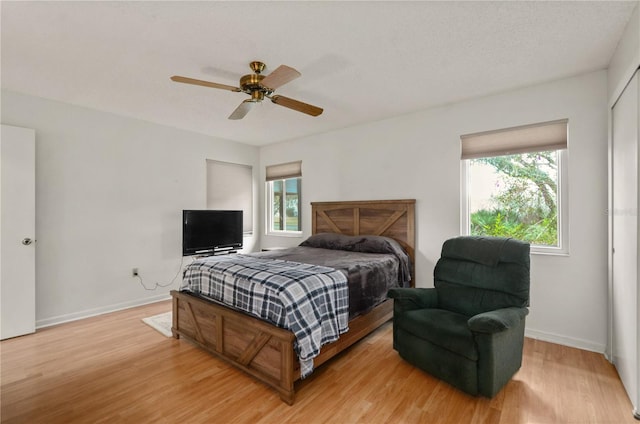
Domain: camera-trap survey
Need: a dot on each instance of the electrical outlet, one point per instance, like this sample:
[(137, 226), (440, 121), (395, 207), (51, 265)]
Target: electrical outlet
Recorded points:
[(134, 272)]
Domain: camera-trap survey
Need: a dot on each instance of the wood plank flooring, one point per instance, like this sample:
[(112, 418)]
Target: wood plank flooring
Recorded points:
[(115, 369)]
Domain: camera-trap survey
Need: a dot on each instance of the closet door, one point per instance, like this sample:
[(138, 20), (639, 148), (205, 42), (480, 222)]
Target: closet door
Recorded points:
[(626, 300)]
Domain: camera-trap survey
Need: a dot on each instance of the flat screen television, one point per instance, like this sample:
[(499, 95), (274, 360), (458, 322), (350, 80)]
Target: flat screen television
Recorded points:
[(210, 231)]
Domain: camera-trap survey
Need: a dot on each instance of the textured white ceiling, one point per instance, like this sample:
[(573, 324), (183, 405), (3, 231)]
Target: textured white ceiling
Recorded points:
[(360, 61)]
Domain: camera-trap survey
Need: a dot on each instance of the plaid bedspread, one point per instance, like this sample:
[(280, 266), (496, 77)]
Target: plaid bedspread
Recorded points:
[(311, 301)]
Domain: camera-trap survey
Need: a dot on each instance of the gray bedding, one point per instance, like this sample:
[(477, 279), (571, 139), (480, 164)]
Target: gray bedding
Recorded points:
[(369, 275)]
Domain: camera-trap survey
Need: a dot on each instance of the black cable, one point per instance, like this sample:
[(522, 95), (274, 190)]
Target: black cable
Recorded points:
[(157, 285)]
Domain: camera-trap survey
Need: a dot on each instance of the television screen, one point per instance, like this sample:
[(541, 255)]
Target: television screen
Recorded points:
[(208, 231)]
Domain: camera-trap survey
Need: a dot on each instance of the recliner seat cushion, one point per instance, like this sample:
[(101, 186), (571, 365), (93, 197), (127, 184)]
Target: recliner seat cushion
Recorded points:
[(440, 327)]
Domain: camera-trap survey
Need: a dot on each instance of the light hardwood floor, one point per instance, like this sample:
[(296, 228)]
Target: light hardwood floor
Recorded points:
[(115, 369)]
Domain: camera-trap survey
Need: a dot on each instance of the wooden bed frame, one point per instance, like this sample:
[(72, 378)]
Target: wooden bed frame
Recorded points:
[(265, 351)]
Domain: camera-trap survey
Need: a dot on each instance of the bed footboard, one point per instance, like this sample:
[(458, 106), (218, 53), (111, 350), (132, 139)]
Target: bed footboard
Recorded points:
[(262, 350)]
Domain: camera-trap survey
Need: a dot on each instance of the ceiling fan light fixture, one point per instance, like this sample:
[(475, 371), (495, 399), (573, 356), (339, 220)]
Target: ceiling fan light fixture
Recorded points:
[(258, 87), (257, 96)]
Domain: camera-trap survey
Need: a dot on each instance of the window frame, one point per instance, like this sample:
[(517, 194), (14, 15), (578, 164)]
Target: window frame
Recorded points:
[(563, 206), (269, 208)]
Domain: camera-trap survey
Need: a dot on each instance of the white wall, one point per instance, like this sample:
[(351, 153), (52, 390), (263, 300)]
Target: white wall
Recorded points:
[(109, 197), (418, 156), (626, 58)]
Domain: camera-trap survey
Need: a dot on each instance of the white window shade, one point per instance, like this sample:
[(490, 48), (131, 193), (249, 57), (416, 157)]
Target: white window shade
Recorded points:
[(284, 171), (528, 138), (230, 187)]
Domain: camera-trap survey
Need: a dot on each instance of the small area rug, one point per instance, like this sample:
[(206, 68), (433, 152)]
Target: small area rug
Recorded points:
[(161, 322)]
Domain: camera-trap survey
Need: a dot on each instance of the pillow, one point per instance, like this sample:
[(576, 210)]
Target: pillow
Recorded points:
[(331, 241), (363, 244), (378, 244)]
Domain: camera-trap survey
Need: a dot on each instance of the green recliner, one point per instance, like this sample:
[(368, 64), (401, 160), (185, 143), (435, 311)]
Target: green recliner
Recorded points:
[(469, 329)]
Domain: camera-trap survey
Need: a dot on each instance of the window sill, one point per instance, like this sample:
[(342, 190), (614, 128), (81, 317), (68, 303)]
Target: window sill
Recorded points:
[(549, 252), (285, 234)]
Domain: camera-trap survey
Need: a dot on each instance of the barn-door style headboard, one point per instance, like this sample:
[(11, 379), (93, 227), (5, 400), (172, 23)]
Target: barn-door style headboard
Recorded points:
[(389, 218)]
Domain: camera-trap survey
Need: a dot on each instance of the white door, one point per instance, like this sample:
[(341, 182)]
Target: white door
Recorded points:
[(17, 229), (625, 300)]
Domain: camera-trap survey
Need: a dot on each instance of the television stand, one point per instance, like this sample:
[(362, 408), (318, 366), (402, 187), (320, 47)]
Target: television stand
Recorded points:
[(219, 252), (224, 252)]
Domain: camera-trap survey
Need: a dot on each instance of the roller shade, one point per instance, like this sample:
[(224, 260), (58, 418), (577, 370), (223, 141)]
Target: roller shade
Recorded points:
[(284, 171), (544, 136)]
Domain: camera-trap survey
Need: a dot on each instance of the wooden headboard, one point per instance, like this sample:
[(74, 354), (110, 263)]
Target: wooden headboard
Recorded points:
[(389, 218)]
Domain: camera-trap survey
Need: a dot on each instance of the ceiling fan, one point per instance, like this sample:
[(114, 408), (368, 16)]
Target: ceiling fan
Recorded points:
[(259, 86)]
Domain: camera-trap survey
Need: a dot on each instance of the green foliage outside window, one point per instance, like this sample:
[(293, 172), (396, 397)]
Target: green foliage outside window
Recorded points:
[(286, 200), (524, 202)]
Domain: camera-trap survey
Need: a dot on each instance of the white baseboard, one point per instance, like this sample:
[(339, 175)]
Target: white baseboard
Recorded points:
[(565, 341), (533, 334), (48, 322)]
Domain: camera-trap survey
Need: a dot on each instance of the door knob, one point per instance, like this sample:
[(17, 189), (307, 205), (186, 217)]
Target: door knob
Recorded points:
[(27, 241)]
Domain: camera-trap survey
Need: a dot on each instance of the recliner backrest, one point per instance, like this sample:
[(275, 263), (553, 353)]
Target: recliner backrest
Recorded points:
[(479, 274)]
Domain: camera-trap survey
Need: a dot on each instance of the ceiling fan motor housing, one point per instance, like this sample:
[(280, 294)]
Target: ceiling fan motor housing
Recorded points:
[(250, 84)]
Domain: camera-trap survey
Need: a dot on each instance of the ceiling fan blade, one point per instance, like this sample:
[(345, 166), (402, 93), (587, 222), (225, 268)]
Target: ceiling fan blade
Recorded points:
[(282, 75), (186, 80), (242, 110), (297, 105)]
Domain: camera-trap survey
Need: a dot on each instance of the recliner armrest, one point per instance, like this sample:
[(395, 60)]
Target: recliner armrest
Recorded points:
[(407, 299), (497, 321)]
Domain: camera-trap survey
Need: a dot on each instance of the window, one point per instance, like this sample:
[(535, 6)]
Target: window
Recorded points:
[(230, 187), (514, 185), (284, 184)]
